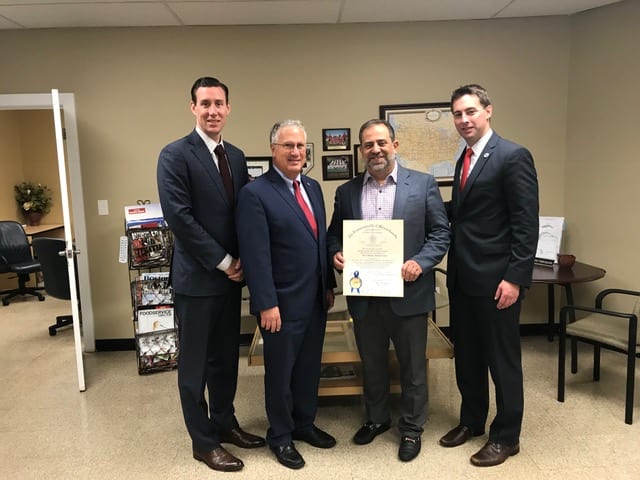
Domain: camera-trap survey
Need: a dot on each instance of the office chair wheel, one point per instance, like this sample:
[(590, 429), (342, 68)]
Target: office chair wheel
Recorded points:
[(52, 331), (5, 302), (41, 298)]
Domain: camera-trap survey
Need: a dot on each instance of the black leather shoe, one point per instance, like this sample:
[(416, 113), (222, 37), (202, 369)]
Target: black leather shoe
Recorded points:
[(494, 454), (368, 432), (409, 448), (315, 437), (241, 439), (219, 459), (288, 456), (458, 436)]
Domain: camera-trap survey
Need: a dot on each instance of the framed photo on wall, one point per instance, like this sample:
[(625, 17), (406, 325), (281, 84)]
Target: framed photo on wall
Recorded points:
[(337, 167), (336, 139), (359, 162), (428, 138), (257, 166), (308, 163)]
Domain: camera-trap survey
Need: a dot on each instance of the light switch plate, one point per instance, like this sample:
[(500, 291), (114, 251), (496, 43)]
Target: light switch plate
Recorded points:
[(103, 207)]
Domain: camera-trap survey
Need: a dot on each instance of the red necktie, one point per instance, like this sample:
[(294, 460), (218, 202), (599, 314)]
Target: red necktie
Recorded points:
[(225, 173), (465, 167), (305, 208)]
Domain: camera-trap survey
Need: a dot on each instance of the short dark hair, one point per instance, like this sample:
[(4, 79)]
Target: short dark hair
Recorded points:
[(208, 82), (471, 89), (377, 121)]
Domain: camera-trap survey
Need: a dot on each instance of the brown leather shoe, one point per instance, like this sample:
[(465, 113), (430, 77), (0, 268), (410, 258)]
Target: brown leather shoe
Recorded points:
[(494, 454), (458, 436), (219, 459), (241, 439)]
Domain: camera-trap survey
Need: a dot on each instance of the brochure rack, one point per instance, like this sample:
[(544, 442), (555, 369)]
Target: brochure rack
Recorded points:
[(150, 244)]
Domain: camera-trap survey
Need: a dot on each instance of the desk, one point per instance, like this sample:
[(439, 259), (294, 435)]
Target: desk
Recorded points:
[(565, 277), (340, 349), (40, 230)]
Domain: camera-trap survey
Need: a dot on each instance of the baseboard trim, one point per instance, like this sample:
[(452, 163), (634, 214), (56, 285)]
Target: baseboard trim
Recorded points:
[(526, 330), (115, 344), (124, 344)]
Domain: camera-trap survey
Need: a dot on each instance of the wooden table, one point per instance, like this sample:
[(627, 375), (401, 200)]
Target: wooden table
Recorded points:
[(565, 277), (339, 350), (40, 230)]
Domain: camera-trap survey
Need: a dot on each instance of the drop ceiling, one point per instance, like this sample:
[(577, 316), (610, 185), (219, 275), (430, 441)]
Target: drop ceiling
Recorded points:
[(30, 14)]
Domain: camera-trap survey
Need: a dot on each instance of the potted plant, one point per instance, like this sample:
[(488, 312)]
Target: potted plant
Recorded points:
[(34, 199)]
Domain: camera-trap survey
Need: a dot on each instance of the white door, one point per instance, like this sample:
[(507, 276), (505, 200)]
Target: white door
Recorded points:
[(37, 101), (70, 251)]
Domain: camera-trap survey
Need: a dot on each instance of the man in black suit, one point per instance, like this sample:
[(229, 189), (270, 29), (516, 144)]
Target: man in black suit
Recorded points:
[(389, 191), (199, 177), (283, 243), (494, 224)]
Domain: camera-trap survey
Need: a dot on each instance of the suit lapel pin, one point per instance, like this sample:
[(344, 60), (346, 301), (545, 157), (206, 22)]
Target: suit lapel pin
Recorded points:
[(486, 155)]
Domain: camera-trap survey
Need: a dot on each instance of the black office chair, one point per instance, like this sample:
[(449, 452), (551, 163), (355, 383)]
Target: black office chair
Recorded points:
[(15, 257), (56, 275)]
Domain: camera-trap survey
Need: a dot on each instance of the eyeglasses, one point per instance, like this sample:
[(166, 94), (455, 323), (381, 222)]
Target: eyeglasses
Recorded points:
[(290, 146)]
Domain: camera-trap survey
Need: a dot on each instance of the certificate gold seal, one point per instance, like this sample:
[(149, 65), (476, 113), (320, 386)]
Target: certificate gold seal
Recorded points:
[(355, 282)]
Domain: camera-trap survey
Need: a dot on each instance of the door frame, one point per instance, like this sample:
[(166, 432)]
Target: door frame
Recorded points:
[(43, 101)]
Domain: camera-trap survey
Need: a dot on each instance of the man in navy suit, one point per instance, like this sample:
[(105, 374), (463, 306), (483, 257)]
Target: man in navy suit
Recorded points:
[(199, 177), (494, 223), (389, 191), (282, 236)]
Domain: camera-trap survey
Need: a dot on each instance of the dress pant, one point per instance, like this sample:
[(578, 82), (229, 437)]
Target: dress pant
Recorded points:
[(292, 373), (486, 338), (209, 333), (409, 336)]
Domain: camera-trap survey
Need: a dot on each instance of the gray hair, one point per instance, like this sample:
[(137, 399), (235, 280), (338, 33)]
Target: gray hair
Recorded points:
[(275, 130)]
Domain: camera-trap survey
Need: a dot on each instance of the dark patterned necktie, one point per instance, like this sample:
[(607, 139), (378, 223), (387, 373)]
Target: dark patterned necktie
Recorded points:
[(225, 172)]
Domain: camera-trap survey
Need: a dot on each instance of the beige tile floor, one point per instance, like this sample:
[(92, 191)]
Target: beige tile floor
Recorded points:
[(130, 426)]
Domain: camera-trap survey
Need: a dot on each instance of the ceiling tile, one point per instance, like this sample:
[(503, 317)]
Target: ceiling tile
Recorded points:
[(419, 10), (89, 15), (257, 12), (529, 8)]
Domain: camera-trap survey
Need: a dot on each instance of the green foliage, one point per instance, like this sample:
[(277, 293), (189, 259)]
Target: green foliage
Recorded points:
[(32, 197)]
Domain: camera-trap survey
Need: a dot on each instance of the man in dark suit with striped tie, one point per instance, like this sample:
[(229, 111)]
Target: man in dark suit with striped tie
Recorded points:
[(199, 177)]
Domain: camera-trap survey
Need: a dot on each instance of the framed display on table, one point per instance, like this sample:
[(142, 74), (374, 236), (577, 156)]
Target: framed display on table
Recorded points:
[(336, 139), (428, 139), (257, 166), (337, 167)]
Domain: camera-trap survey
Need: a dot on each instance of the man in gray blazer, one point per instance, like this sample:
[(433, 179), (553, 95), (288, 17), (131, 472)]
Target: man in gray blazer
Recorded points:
[(199, 177), (389, 191)]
